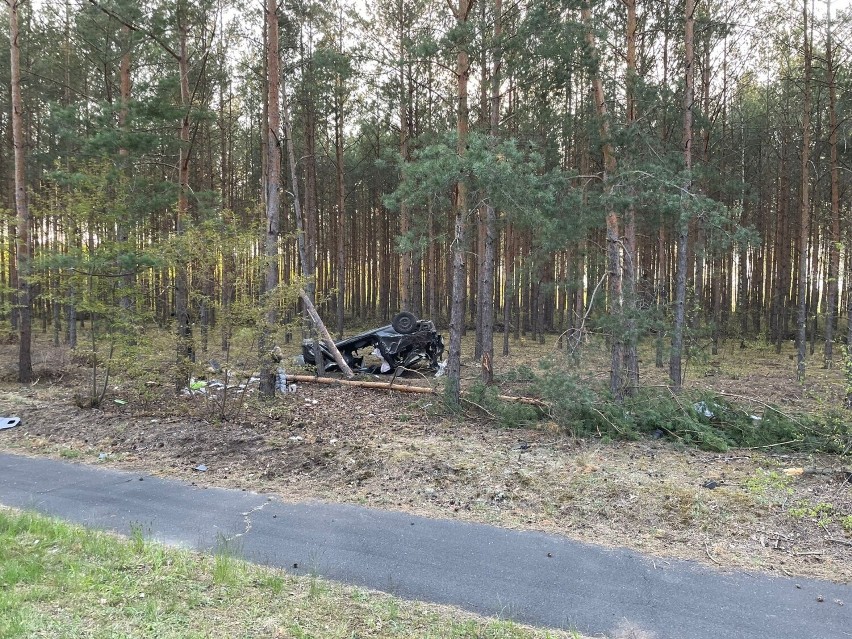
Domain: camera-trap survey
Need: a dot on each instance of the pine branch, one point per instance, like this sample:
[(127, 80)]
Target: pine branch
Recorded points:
[(134, 27)]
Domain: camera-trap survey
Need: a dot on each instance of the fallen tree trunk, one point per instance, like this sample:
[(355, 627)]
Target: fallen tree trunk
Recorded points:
[(338, 358), (425, 390)]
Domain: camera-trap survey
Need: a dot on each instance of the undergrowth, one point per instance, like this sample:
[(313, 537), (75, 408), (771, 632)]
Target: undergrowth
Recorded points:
[(701, 419)]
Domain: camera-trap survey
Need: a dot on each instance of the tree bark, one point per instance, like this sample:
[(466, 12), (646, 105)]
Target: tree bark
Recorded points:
[(23, 249), (675, 359), (404, 136), (631, 255), (804, 211), (326, 337), (273, 199), (185, 351), (834, 237), (340, 190), (613, 238), (486, 295), (460, 222), (403, 388), (124, 88)]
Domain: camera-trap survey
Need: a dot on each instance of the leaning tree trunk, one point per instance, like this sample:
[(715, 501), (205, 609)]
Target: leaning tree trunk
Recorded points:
[(22, 243)]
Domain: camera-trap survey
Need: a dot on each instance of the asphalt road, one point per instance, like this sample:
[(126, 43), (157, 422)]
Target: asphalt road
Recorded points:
[(527, 576)]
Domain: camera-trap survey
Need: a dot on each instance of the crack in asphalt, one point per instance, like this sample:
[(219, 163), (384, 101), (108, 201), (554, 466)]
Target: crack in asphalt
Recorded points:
[(84, 482), (247, 520)]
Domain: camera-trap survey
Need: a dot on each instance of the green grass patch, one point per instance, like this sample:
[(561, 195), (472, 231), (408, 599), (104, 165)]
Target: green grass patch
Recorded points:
[(63, 581)]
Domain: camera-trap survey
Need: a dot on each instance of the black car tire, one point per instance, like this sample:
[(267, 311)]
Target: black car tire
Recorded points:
[(404, 322)]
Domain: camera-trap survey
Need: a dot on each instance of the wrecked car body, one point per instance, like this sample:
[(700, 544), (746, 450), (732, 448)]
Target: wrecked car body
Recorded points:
[(405, 343)]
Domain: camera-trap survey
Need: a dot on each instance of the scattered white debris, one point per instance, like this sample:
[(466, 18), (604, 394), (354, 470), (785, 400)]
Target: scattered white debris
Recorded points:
[(281, 380), (385, 368), (703, 409), (9, 422)]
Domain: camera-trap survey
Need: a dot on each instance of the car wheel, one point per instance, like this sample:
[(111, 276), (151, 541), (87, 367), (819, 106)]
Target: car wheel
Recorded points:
[(404, 322)]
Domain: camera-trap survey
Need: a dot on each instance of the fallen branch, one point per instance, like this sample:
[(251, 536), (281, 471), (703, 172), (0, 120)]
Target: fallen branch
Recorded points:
[(765, 405), (362, 384), (310, 379), (842, 542), (710, 555)]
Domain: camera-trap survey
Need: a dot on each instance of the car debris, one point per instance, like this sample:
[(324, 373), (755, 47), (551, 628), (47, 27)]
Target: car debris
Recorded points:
[(406, 342), (9, 422)]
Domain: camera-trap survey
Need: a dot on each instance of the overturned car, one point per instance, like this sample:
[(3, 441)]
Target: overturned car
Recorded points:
[(406, 342)]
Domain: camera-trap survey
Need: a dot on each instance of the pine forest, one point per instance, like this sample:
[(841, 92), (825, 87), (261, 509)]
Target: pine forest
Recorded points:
[(425, 292), (656, 174)]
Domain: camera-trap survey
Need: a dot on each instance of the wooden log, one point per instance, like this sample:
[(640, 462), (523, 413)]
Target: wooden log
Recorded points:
[(312, 311), (362, 384), (425, 390)]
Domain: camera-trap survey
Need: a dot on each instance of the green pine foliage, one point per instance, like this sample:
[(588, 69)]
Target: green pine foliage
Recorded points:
[(702, 420)]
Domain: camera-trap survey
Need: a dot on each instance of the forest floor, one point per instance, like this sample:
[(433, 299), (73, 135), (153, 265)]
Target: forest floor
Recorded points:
[(407, 452)]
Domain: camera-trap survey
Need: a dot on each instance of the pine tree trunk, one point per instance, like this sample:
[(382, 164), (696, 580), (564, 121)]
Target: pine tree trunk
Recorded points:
[(22, 240), (631, 255), (229, 265), (340, 192), (676, 357), (460, 213), (804, 212), (486, 312), (404, 135), (311, 215), (508, 283), (834, 238), (613, 237), (269, 283), (185, 351), (124, 88)]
